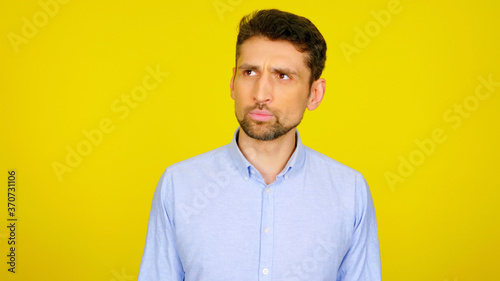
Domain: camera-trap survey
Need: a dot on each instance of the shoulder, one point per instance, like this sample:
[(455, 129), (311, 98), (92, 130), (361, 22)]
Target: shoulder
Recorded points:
[(325, 163), (197, 171), (336, 174), (206, 159), (184, 176), (349, 183)]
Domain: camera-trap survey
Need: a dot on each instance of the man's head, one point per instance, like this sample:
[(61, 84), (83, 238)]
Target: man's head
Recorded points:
[(279, 60), (279, 25)]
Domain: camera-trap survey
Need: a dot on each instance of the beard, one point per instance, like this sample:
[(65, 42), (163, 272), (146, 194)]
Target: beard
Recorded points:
[(264, 130)]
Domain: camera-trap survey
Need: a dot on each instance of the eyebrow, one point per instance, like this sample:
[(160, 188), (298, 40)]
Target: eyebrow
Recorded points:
[(247, 66), (278, 69)]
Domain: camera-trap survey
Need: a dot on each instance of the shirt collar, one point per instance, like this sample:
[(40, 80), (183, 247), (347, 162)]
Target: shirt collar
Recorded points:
[(295, 162)]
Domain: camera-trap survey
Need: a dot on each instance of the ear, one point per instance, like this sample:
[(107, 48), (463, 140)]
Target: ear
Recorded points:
[(231, 86), (317, 93)]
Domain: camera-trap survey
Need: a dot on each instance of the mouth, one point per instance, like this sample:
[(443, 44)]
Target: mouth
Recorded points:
[(261, 115)]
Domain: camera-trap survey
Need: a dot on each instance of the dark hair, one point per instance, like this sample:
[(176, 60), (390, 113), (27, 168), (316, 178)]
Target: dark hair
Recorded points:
[(279, 25)]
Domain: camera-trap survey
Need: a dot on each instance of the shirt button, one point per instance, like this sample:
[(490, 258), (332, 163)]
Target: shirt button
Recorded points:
[(265, 271), (286, 177), (246, 178), (266, 230), (268, 190), (251, 172)]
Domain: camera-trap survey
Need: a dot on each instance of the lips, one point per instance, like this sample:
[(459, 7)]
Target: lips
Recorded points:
[(261, 115), (260, 112)]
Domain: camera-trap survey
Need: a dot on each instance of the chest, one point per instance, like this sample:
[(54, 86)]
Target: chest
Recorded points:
[(254, 228)]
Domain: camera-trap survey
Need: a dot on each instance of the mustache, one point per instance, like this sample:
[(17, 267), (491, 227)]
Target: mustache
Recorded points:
[(259, 106)]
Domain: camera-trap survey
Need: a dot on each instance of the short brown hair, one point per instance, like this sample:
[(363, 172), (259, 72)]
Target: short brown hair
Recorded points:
[(279, 25)]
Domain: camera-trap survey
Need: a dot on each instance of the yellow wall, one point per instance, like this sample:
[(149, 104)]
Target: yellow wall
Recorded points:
[(406, 104)]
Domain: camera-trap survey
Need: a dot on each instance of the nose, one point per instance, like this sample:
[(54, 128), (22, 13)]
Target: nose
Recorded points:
[(264, 88)]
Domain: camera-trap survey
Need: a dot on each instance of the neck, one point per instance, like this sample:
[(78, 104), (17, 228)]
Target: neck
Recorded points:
[(268, 157)]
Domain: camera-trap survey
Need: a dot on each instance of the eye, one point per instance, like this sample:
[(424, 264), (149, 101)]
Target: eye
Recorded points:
[(249, 72), (284, 76)]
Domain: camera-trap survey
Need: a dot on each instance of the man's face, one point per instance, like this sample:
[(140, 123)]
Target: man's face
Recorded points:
[(270, 87)]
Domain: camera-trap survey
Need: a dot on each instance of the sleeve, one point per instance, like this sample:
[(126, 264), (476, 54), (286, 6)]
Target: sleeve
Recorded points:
[(160, 259), (362, 260)]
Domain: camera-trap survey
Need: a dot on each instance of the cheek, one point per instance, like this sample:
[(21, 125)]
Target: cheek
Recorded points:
[(289, 113), (241, 93), (239, 107), (242, 97), (294, 104)]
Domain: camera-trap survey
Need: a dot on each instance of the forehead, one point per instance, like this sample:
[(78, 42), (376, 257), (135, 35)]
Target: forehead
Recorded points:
[(259, 50)]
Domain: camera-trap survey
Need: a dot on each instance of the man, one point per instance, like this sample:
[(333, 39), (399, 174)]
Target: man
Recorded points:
[(265, 207)]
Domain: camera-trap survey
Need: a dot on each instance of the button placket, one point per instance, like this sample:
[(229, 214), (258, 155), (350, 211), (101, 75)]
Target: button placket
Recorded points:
[(267, 235)]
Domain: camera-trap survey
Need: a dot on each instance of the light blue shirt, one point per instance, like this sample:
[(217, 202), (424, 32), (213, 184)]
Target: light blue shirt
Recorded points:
[(213, 218)]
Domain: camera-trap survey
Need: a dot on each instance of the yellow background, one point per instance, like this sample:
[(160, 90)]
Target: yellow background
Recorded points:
[(441, 223)]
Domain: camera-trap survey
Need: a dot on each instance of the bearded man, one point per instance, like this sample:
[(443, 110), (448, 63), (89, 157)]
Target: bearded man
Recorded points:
[(265, 207)]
